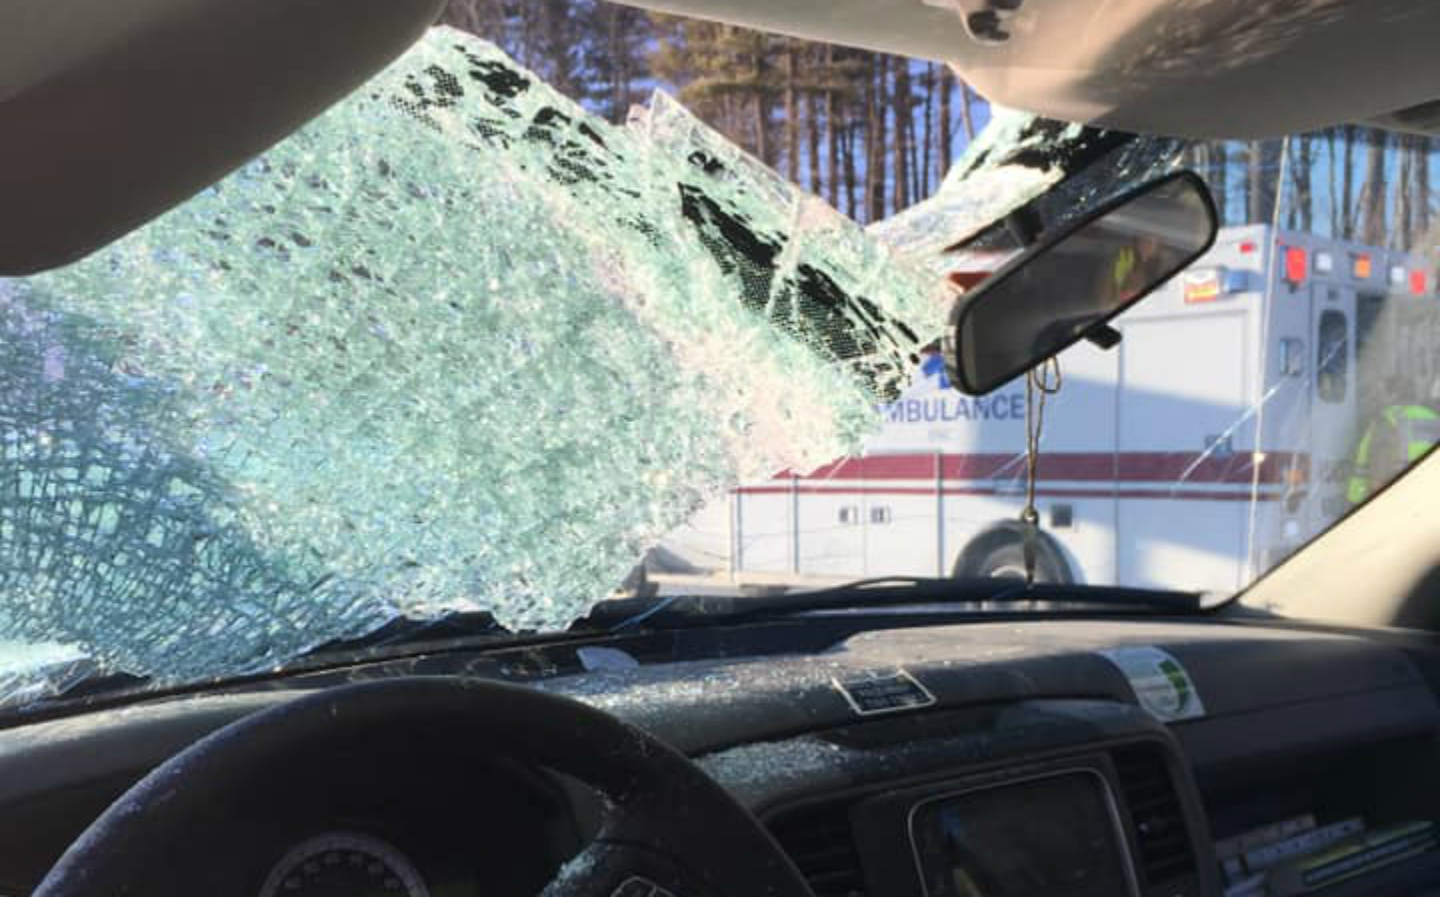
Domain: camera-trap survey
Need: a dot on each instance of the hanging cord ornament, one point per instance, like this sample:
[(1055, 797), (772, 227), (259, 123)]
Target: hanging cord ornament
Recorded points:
[(1042, 381)]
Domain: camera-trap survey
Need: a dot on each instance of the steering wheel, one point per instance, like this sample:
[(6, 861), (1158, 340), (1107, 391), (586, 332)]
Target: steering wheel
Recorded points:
[(667, 824)]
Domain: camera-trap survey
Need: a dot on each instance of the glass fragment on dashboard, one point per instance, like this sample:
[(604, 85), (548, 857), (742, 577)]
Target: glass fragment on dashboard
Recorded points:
[(457, 344)]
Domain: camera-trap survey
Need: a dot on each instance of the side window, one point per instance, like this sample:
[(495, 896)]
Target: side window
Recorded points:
[(1331, 357)]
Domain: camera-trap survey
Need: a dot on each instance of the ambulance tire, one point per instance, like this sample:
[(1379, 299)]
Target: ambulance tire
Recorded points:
[(1000, 552)]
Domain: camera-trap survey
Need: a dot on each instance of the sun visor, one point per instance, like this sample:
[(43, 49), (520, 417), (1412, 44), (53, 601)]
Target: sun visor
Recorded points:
[(113, 112), (1185, 68)]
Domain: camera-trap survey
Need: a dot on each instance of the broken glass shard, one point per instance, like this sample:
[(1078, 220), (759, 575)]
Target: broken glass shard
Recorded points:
[(458, 344)]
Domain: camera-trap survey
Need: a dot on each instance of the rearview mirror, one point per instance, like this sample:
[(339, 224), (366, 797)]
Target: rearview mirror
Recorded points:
[(1069, 285)]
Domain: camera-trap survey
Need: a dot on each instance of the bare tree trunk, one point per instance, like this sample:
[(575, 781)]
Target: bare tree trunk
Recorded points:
[(832, 135), (1206, 159), (1252, 165), (1373, 193), (812, 139), (872, 171), (544, 30), (912, 151), (917, 167), (812, 128), (1302, 171), (1404, 219), (1198, 157), (947, 137), (1347, 198), (483, 17), (900, 106), (852, 208), (615, 43), (1262, 180), (927, 140), (875, 152), (527, 35), (792, 114), (1335, 224), (1421, 202), (462, 14), (761, 126), (967, 121), (1218, 155)]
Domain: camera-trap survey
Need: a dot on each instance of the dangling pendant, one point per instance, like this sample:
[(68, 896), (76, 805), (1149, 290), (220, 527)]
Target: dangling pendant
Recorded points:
[(1030, 523)]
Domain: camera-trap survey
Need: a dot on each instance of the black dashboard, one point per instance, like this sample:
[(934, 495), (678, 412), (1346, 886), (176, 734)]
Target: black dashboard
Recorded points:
[(888, 756)]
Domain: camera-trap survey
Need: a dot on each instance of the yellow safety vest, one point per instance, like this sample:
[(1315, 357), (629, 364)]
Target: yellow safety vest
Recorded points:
[(1419, 430), (1124, 266)]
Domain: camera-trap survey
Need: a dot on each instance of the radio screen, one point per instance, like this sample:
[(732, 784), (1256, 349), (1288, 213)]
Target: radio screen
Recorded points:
[(1050, 837)]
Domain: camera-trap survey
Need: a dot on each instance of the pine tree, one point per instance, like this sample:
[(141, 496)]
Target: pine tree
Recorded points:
[(867, 131), (1373, 192)]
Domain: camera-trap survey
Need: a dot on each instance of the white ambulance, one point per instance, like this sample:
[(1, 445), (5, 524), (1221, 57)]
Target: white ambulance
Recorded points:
[(1159, 466)]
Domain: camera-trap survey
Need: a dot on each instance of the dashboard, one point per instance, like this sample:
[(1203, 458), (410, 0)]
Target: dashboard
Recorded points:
[(889, 756)]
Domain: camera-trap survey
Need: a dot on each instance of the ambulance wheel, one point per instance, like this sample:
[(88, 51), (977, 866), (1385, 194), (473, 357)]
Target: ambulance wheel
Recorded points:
[(1001, 553)]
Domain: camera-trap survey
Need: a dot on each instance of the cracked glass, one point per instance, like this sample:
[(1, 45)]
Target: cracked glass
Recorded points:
[(460, 346), (457, 345), (1248, 405)]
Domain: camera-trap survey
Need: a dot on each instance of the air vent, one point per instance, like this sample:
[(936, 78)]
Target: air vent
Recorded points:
[(1166, 855), (821, 844)]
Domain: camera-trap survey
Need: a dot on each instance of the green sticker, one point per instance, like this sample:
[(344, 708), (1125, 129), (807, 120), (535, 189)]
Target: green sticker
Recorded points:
[(1161, 684)]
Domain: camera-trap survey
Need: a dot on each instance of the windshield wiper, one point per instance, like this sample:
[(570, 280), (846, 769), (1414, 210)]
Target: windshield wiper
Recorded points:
[(101, 683), (400, 637), (881, 593), (403, 631)]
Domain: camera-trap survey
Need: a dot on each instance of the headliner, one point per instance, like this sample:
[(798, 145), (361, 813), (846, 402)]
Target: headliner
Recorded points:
[(1191, 68)]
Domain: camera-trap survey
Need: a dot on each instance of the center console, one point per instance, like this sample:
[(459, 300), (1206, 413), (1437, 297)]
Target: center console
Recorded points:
[(1120, 820), (985, 841)]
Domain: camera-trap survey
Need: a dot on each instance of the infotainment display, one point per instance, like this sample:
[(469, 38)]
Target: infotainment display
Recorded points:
[(1054, 836)]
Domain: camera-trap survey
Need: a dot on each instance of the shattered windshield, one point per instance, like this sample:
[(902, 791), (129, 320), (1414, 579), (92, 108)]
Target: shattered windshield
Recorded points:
[(463, 344), (458, 344)]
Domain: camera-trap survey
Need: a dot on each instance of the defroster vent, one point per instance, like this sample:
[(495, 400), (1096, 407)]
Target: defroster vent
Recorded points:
[(821, 844)]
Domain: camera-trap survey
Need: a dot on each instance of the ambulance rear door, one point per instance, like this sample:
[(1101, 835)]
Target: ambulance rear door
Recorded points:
[(1334, 401)]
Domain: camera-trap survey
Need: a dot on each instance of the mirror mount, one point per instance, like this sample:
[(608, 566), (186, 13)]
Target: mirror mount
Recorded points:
[(1104, 336)]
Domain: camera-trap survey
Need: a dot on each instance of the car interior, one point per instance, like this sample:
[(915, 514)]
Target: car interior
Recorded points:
[(927, 742)]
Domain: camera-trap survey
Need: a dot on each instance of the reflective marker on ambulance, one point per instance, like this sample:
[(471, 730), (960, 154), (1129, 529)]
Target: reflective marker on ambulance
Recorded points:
[(1202, 286)]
